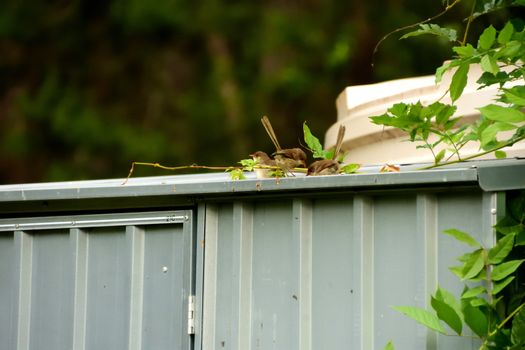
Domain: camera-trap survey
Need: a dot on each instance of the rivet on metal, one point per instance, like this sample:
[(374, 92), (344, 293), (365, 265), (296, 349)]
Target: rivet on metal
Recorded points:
[(164, 269), (493, 211)]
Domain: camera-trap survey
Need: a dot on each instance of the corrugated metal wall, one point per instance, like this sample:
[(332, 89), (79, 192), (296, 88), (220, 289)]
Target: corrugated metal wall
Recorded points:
[(307, 263), (113, 281), (323, 272)]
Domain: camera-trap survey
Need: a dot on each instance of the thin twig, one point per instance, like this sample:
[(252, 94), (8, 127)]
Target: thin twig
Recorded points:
[(506, 144), (447, 8)]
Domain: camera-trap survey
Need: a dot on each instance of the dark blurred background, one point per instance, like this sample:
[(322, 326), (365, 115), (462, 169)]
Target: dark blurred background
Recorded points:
[(88, 86)]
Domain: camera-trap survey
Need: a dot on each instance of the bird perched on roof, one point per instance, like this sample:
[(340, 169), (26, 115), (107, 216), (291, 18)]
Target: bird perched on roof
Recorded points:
[(263, 159), (287, 159), (328, 166)]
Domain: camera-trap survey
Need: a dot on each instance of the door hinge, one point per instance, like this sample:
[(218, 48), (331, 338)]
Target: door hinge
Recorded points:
[(191, 314)]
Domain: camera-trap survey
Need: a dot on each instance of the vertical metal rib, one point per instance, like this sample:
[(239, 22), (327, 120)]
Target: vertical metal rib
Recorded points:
[(364, 249), (302, 213), (493, 207), (79, 246), (135, 239), (427, 226), (210, 277), (24, 250), (242, 265)]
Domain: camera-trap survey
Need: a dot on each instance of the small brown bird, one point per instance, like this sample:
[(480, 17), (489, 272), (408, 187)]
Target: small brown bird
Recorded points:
[(287, 159), (263, 159), (328, 166)]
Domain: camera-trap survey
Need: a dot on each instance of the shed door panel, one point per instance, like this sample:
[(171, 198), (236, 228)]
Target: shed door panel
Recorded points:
[(112, 281)]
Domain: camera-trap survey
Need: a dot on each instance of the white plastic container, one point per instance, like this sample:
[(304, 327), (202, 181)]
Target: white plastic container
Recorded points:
[(368, 143)]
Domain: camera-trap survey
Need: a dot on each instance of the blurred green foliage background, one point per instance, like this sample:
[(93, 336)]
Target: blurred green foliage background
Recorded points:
[(87, 86)]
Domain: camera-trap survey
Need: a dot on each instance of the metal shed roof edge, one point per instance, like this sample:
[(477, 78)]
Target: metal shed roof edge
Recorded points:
[(490, 175)]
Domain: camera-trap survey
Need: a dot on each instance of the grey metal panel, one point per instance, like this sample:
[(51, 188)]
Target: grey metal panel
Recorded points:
[(8, 298), (164, 321), (334, 284), (51, 292), (117, 287), (275, 296), (325, 272), (107, 320)]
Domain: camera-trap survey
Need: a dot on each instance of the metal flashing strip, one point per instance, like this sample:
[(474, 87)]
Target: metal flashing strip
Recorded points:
[(489, 175), (502, 176), (82, 221), (202, 186)]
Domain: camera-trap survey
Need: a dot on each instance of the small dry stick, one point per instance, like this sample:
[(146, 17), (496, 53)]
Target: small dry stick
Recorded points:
[(173, 168)]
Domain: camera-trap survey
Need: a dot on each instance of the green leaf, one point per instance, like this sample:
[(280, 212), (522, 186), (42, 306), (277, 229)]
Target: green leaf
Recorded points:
[(475, 319), (447, 314), (440, 156), (489, 134), (498, 286), (517, 334), (501, 271), (474, 265), (505, 34), (500, 154), (237, 174), (350, 168), (465, 51), (389, 346), (443, 68), (462, 237), (501, 249), (502, 114), (488, 79), (457, 270), (449, 298), (473, 292), (422, 316), (459, 81), (313, 143), (433, 29), (515, 95), (487, 38), (489, 64)]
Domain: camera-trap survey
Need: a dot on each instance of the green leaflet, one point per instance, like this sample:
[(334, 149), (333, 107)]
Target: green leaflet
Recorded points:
[(489, 134), (433, 29), (313, 143), (475, 319), (422, 316), (487, 38), (474, 265), (500, 154), (459, 81), (473, 292), (498, 286), (462, 237), (501, 249), (503, 270), (350, 168), (489, 64), (517, 335), (515, 95), (502, 114), (505, 34), (448, 314), (389, 346)]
